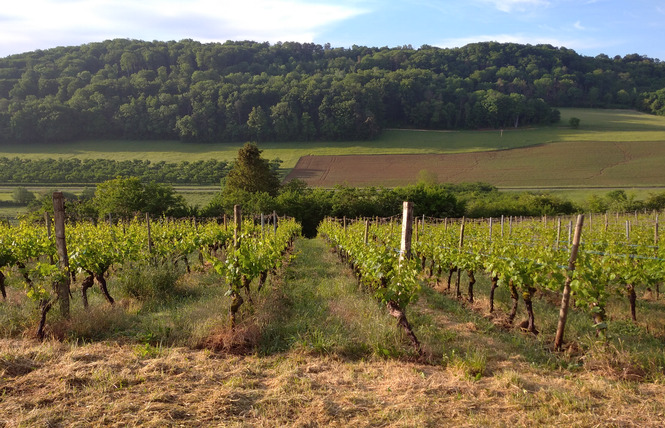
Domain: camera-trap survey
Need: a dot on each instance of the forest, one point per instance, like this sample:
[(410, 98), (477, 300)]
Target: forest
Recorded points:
[(243, 90)]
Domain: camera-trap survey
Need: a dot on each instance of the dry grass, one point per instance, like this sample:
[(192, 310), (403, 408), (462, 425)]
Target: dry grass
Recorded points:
[(110, 384)]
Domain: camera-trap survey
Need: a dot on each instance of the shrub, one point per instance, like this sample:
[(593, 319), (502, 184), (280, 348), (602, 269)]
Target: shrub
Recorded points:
[(147, 282)]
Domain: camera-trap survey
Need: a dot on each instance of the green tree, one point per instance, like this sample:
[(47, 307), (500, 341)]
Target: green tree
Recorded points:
[(251, 173), (121, 197), (258, 124), (574, 122), (22, 196)]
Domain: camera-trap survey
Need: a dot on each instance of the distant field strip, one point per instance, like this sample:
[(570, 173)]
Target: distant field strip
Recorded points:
[(565, 164)]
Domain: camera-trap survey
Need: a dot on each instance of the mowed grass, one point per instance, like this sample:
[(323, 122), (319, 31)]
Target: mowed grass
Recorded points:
[(596, 125)]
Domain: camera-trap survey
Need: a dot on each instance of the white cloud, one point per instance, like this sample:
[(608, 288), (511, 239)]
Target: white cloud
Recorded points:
[(39, 24), (517, 5), (578, 26)]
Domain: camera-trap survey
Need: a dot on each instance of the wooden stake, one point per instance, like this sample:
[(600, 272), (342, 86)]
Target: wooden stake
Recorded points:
[(237, 224), (62, 288), (274, 223), (565, 298), (407, 231)]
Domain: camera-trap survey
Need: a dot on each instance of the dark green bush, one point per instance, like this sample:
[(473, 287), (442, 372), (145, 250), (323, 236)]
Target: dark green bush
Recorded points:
[(148, 282)]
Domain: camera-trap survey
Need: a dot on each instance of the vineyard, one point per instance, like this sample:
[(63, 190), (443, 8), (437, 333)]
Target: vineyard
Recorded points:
[(238, 253), (611, 255), (394, 335)]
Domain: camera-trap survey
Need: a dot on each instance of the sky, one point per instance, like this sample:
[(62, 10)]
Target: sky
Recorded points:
[(590, 27)]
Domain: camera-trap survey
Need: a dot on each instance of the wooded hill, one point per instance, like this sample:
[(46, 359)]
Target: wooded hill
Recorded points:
[(239, 91)]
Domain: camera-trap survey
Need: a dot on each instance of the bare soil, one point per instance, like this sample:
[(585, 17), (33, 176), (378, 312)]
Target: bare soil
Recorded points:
[(583, 164)]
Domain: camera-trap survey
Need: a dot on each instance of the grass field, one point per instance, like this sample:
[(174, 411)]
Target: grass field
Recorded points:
[(314, 350)]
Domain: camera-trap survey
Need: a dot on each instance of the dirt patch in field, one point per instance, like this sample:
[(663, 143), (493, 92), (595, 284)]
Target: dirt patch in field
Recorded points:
[(584, 164)]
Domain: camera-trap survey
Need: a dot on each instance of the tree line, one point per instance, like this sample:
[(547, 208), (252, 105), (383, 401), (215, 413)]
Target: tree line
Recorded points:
[(23, 171), (241, 91)]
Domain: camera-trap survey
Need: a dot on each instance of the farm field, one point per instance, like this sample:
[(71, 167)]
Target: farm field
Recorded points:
[(581, 164), (317, 351), (596, 125)]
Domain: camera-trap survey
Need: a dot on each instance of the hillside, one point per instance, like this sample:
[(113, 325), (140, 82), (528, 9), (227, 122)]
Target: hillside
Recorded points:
[(239, 91)]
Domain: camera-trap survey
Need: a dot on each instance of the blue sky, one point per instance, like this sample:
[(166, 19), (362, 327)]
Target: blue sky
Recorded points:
[(590, 27)]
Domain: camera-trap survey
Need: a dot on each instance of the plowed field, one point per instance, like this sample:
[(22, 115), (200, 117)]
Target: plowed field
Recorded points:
[(565, 164)]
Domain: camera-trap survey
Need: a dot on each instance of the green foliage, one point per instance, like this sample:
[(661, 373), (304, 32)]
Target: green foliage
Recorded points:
[(150, 282), (240, 91), (22, 196), (496, 204), (574, 122), (251, 173), (125, 197), (18, 170), (620, 201)]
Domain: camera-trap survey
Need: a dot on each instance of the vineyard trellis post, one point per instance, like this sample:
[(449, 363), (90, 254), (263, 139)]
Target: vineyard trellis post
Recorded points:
[(565, 298), (458, 293), (274, 222), (62, 287), (407, 231)]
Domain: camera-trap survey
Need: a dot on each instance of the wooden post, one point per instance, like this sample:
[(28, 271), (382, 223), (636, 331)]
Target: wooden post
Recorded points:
[(627, 230), (502, 225), (366, 237), (263, 225), (407, 231), (655, 232), (237, 222), (570, 231), (274, 223), (565, 298), (62, 288), (558, 232), (459, 271)]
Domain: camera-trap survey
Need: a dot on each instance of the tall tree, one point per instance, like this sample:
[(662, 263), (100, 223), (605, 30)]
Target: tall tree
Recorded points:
[(251, 173)]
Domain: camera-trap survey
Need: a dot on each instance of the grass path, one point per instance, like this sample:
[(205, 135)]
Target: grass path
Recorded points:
[(319, 308)]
